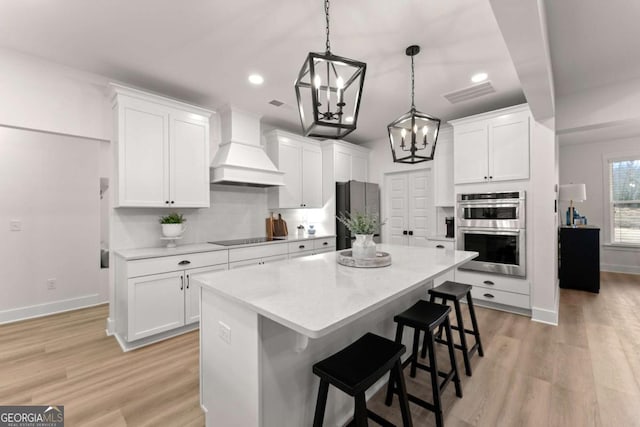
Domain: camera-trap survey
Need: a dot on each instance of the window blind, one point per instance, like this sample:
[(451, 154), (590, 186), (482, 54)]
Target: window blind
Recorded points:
[(625, 201)]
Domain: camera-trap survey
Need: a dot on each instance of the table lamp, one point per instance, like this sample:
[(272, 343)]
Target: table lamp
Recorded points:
[(573, 193)]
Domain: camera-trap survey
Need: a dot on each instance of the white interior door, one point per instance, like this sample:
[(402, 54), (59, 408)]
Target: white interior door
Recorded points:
[(396, 190), (409, 204), (419, 207)]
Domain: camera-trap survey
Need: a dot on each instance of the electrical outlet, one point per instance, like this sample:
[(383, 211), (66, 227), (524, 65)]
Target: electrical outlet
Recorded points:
[(224, 331), (15, 225), (51, 284)]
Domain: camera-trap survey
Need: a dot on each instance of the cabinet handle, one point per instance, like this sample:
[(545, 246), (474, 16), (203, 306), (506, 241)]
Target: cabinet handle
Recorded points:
[(185, 262), (410, 232), (181, 282), (166, 201), (489, 296), (488, 282), (325, 244), (490, 177), (485, 177), (172, 202), (187, 281), (301, 247), (439, 246), (404, 232)]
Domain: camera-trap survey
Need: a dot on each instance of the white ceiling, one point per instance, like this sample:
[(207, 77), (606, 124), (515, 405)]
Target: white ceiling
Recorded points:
[(593, 43), (203, 50)]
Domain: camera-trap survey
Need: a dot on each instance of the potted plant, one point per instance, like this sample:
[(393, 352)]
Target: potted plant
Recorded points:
[(363, 226), (173, 224)]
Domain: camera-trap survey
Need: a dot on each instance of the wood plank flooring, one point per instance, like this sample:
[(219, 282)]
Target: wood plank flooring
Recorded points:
[(585, 372)]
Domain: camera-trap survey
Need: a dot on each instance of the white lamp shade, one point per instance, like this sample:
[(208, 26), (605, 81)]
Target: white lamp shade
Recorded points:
[(575, 192)]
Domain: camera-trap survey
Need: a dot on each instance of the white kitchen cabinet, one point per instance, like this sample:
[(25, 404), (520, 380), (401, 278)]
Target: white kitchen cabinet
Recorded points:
[(156, 295), (492, 146), (192, 292), (161, 151), (156, 304), (443, 170), (409, 206), (256, 261), (301, 161), (341, 162)]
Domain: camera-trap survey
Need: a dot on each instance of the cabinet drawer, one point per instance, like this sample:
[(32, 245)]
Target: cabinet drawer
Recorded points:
[(500, 297), (327, 242), (300, 246), (440, 244), (148, 266), (251, 252), (492, 281)]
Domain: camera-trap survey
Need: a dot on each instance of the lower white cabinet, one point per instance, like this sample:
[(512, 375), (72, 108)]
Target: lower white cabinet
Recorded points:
[(497, 289), (156, 295), (256, 261)]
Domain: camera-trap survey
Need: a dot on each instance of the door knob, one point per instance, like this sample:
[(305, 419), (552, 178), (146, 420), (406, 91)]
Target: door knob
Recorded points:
[(404, 232), (410, 232)]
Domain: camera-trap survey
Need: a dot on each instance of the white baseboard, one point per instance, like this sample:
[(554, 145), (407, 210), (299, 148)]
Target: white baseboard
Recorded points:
[(39, 310), (616, 268), (540, 315), (111, 327)]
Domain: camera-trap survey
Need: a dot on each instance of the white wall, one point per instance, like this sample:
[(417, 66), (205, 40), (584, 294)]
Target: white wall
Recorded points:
[(51, 184), (583, 163), (543, 224), (38, 94)]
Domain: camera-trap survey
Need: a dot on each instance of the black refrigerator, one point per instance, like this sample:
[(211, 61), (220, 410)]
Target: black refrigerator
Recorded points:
[(352, 197)]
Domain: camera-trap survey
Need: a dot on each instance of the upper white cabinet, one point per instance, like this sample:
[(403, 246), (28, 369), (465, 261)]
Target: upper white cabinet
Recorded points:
[(301, 161), (161, 151), (492, 146), (341, 162), (443, 170)]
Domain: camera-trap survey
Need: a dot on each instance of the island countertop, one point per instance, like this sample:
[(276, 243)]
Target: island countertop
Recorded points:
[(315, 296)]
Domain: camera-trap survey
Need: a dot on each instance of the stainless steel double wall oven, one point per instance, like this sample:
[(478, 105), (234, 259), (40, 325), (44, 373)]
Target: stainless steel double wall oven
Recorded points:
[(493, 224)]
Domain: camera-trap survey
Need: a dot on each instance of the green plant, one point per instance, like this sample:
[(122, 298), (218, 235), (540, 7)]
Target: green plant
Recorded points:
[(172, 218), (359, 223)]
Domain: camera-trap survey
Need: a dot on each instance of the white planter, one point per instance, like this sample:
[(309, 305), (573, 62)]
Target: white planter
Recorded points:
[(364, 246), (173, 230)]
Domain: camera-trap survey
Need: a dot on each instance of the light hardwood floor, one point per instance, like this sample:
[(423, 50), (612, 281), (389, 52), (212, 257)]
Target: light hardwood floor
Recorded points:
[(585, 372)]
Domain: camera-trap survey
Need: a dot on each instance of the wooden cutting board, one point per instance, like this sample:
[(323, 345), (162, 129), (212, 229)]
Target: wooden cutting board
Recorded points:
[(269, 223), (280, 227)]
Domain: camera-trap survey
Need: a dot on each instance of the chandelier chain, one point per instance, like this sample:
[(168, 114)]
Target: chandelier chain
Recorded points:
[(326, 14), (412, 84)]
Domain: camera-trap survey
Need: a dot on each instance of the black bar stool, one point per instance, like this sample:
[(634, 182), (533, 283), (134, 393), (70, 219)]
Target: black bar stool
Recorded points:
[(454, 291), (426, 316), (356, 368)]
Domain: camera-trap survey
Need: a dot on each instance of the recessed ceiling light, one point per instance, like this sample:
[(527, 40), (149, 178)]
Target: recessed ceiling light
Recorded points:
[(479, 77), (256, 79)]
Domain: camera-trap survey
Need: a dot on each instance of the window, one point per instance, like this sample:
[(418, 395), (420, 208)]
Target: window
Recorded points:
[(624, 179)]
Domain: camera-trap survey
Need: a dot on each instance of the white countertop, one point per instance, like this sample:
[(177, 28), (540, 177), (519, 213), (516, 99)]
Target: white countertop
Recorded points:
[(142, 253), (315, 295), (441, 238)]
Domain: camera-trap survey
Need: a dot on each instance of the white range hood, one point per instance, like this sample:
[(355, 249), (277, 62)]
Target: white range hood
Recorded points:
[(240, 159)]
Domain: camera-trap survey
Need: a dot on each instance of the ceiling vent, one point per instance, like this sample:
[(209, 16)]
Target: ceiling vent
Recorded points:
[(470, 92), (276, 103)]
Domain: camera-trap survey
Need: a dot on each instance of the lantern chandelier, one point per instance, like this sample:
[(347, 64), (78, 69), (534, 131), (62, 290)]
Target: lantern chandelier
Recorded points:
[(328, 91), (413, 133)]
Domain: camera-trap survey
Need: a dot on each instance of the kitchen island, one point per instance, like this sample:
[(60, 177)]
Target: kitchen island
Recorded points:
[(262, 328)]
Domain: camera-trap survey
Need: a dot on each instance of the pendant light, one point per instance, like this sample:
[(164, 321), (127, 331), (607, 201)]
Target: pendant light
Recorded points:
[(328, 91), (413, 135)]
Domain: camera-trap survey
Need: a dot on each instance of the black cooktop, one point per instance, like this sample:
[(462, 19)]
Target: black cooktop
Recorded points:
[(246, 241)]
